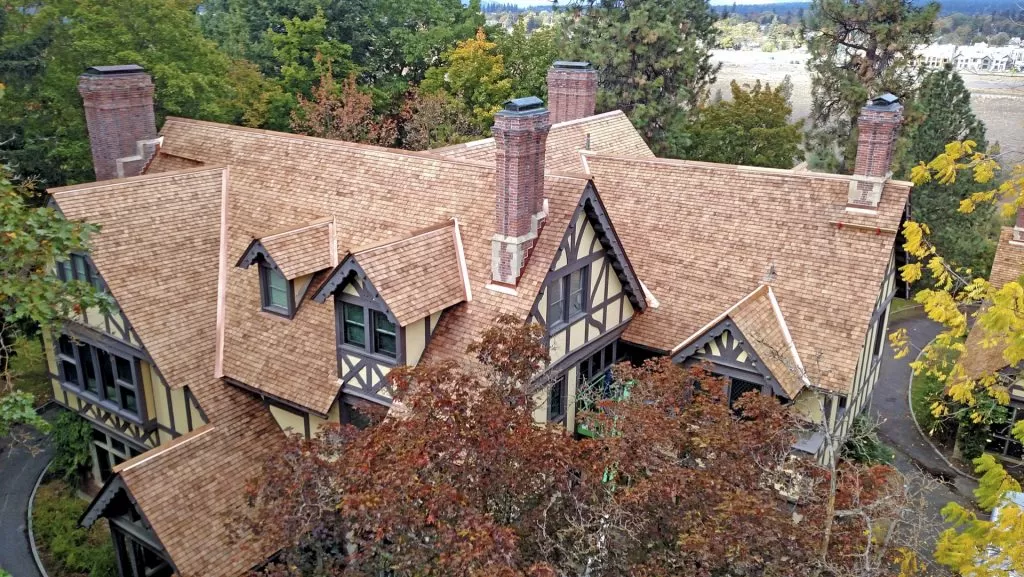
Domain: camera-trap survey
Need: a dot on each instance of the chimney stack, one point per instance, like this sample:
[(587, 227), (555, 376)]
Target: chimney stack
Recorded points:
[(572, 91), (119, 115), (878, 126), (520, 133)]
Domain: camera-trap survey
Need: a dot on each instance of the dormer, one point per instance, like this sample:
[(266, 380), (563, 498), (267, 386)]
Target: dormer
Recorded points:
[(388, 299), (287, 262)]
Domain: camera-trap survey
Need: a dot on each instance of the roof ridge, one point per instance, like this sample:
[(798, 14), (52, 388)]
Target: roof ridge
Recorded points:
[(369, 148), (73, 188), (397, 239), (591, 118), (782, 172), (322, 221), (164, 448)]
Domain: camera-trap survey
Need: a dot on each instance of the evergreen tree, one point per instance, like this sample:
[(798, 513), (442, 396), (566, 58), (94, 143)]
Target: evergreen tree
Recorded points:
[(752, 129), (860, 50), (653, 60), (943, 105)]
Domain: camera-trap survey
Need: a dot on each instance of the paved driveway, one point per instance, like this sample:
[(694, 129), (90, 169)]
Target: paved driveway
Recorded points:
[(19, 469)]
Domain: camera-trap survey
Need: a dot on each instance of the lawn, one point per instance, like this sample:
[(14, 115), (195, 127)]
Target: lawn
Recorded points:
[(28, 369), (924, 390), (66, 549), (899, 304)]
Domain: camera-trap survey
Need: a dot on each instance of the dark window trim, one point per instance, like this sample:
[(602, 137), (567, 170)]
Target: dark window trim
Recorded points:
[(559, 387), (265, 304), (77, 385), (369, 347), (567, 318)]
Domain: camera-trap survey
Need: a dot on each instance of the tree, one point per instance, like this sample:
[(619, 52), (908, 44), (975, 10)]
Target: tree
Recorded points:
[(860, 50), (653, 60), (943, 107), (751, 129), (433, 120), (42, 125), (341, 114), (984, 548), (527, 57), (473, 73), (34, 239), (303, 52), (463, 481)]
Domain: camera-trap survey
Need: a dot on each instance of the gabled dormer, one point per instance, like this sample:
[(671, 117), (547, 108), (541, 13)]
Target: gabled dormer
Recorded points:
[(388, 299), (288, 260)]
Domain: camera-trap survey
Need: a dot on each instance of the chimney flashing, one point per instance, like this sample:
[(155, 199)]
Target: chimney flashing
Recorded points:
[(113, 70), (526, 104), (572, 64)]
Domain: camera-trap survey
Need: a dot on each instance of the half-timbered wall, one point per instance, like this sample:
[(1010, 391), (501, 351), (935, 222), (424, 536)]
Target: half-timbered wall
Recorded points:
[(162, 413), (606, 308), (729, 355)]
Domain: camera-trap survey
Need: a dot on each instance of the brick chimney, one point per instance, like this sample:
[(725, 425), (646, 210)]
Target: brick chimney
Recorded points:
[(1018, 228), (878, 126), (119, 115), (572, 90), (520, 133)]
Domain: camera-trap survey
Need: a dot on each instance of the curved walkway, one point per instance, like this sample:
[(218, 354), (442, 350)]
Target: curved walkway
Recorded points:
[(890, 406), (19, 469)]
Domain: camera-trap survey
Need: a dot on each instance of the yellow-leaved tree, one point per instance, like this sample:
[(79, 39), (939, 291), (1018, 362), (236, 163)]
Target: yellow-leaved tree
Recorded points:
[(976, 362)]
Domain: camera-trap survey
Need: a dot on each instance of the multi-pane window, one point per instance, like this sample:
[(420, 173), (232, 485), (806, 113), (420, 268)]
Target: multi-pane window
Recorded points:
[(557, 400), (100, 374), (366, 328), (76, 267), (276, 291), (361, 414), (354, 324), (879, 335), (110, 452), (567, 297), (1001, 441), (384, 340)]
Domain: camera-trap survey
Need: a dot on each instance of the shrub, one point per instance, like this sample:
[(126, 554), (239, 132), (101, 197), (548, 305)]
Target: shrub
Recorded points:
[(71, 438), (72, 549), (971, 440), (864, 446)]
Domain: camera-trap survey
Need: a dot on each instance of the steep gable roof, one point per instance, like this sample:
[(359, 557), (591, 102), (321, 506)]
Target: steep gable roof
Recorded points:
[(157, 250), (298, 251), (702, 236), (281, 181), (610, 132), (416, 276)]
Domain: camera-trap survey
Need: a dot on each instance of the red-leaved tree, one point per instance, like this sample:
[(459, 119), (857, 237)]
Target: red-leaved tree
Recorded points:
[(462, 481)]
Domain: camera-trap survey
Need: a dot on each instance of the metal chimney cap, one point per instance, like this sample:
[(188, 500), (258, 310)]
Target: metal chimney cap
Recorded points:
[(887, 101), (112, 70), (572, 65), (524, 104)]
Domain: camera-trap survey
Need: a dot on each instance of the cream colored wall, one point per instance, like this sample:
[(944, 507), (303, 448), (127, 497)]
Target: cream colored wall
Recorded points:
[(333, 416), (95, 320), (369, 377), (415, 341), (288, 421), (299, 286)]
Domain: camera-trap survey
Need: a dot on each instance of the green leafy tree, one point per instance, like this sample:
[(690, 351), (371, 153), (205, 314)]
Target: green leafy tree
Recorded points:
[(653, 60), (753, 128), (527, 57), (943, 106), (42, 125), (71, 440), (303, 52), (474, 74), (859, 50), (32, 240)]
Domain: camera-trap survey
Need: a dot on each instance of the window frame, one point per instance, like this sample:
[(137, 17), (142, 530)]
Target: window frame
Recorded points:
[(376, 316), (559, 389), (370, 328), (101, 396), (563, 283), (345, 306), (266, 303)]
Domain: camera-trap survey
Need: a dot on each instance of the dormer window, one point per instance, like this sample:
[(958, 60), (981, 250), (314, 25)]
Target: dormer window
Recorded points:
[(567, 298), (384, 339), (276, 292)]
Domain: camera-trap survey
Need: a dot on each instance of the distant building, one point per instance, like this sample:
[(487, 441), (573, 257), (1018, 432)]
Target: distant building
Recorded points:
[(976, 58)]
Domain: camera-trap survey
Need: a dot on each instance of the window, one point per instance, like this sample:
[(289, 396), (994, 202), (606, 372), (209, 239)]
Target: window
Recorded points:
[(557, 399), (384, 341), (739, 387), (567, 297), (361, 414), (879, 335), (107, 377), (354, 325), (1001, 441), (137, 559), (276, 291), (110, 452)]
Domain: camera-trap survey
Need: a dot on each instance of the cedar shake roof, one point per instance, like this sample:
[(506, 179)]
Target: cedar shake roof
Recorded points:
[(1007, 266), (281, 181), (610, 132), (157, 251), (188, 489), (300, 251), (705, 235), (418, 275)]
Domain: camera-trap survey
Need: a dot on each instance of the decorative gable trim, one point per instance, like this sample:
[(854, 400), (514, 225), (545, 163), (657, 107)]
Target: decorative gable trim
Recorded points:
[(735, 355), (115, 492), (591, 205), (252, 253), (341, 276)]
